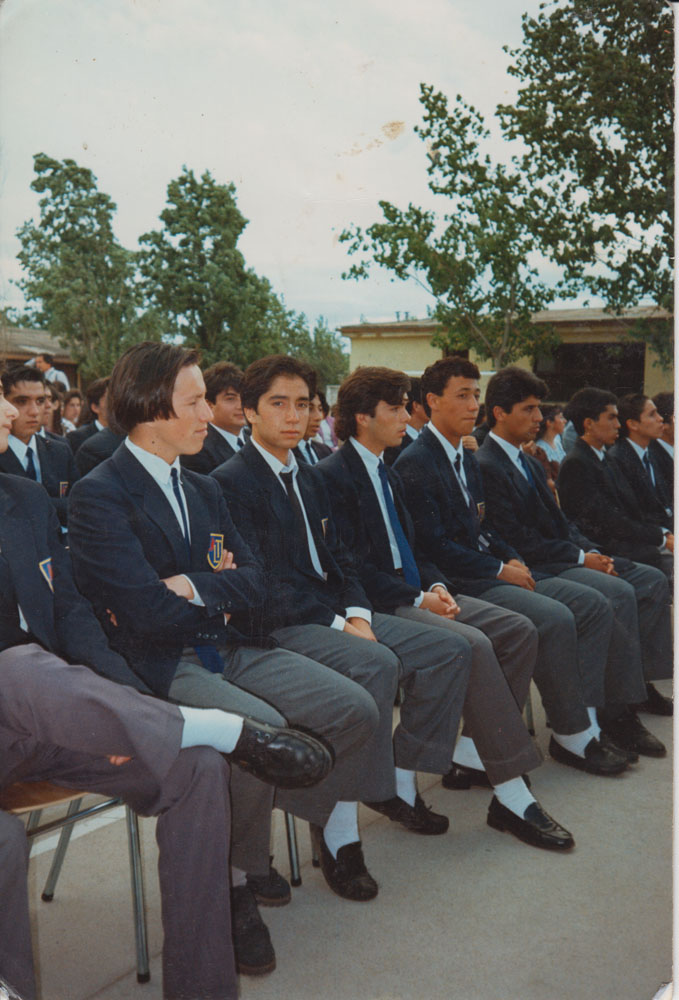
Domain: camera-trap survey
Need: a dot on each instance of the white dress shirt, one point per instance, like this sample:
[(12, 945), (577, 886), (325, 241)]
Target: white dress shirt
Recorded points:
[(20, 450)]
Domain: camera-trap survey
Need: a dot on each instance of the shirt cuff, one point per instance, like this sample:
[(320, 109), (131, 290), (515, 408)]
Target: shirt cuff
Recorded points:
[(581, 558), (438, 584), (359, 613), (338, 623), (196, 599), (418, 600), (499, 572)]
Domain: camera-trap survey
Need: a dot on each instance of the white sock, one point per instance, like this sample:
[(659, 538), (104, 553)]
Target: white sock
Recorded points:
[(575, 742), (467, 755), (342, 826), (406, 788), (238, 876), (593, 722), (514, 795), (210, 727)]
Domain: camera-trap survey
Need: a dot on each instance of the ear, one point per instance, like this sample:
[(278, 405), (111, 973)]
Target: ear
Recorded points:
[(499, 414), (249, 414), (432, 401), (362, 419)]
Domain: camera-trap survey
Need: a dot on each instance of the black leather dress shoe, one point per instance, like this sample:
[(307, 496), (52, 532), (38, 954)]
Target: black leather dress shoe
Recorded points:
[(287, 758), (251, 941), (462, 778), (346, 874), (628, 732), (609, 744), (270, 889), (656, 703), (598, 759), (536, 828), (418, 818)]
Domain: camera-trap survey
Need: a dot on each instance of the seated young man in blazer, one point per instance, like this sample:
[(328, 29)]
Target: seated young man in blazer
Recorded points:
[(640, 425), (318, 607), (167, 573), (372, 519), (94, 418), (520, 506), (445, 498), (662, 448), (222, 391), (62, 721), (45, 460), (597, 497)]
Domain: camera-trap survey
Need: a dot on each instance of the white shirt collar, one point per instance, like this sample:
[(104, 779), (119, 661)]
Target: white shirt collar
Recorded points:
[(509, 449), (669, 448), (156, 467), (451, 451), (274, 464), (19, 448), (599, 452), (639, 451), (230, 438), (369, 458)]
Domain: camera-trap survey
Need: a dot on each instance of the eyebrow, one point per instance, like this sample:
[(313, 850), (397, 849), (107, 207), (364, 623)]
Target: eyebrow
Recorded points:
[(297, 399)]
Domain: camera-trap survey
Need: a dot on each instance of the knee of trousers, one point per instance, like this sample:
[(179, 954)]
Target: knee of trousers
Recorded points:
[(379, 674), (199, 772), (13, 845)]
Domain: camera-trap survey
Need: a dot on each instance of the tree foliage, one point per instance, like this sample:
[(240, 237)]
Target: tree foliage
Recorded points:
[(595, 110), (476, 259), (79, 282), (195, 275)]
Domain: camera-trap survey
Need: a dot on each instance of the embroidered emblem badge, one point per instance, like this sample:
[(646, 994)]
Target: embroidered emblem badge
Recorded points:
[(324, 525), (214, 553), (45, 568), (481, 510), (63, 489)]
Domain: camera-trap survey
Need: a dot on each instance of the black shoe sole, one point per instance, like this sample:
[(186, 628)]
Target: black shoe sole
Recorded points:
[(255, 970), (527, 838)]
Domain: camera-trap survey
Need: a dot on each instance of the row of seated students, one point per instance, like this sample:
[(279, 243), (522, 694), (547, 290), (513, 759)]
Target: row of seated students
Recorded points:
[(272, 609)]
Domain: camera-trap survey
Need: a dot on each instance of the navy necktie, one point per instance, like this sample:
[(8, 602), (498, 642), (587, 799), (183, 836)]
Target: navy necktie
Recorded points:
[(410, 571), (174, 476), (648, 465), (465, 492), (311, 453), (239, 442), (527, 469), (30, 465), (288, 482)]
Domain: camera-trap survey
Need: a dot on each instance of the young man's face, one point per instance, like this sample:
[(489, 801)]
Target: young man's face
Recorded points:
[(227, 411), (41, 364), (386, 428), (522, 422), (184, 433), (315, 417), (648, 427), (603, 432), (280, 420), (453, 412), (8, 414), (99, 409), (28, 398)]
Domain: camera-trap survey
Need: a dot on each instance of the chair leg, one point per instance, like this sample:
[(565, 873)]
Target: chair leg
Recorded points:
[(33, 821), (293, 852), (59, 854), (315, 860), (143, 972)]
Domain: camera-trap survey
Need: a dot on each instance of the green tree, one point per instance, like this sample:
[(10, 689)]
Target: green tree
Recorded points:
[(79, 282), (476, 260), (595, 111), (197, 278)]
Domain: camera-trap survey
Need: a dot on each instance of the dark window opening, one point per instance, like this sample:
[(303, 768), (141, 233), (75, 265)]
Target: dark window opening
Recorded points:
[(616, 367)]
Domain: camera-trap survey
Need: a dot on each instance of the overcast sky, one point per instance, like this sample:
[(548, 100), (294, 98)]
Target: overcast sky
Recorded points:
[(307, 107)]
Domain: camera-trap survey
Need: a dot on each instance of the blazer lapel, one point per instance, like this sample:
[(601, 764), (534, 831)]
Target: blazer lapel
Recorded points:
[(367, 499), (33, 588)]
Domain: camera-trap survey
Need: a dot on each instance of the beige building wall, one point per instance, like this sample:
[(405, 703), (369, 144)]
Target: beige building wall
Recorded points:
[(410, 353)]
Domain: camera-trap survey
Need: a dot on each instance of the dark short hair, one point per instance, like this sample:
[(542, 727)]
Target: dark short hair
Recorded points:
[(589, 404), (414, 393), (47, 358), (436, 377), (142, 383), (549, 411), (325, 406), (96, 390), (664, 402), (510, 386), (73, 394), (260, 375), (20, 373), (630, 407), (221, 377), (362, 391)]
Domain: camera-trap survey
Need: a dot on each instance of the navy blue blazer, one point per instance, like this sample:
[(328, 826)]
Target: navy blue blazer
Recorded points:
[(530, 519), (57, 469), (601, 502), (95, 449), (125, 539), (652, 502), (35, 573), (80, 435), (447, 531), (216, 449), (665, 462), (321, 450), (263, 514), (361, 527)]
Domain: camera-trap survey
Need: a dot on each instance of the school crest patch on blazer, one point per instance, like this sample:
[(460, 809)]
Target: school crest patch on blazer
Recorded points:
[(45, 567), (214, 553), (63, 489)]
